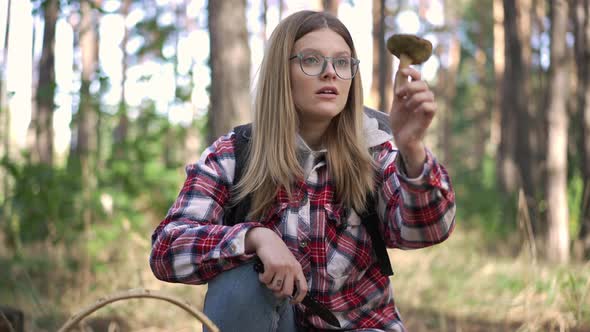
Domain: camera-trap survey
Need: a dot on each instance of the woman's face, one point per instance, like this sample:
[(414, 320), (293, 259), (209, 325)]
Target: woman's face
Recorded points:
[(319, 98)]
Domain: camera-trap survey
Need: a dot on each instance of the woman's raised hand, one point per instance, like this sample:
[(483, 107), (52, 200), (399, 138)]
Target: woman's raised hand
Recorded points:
[(412, 112)]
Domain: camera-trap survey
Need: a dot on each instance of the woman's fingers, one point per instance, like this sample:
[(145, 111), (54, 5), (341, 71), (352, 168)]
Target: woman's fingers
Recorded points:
[(407, 72), (266, 277), (301, 289), (273, 276), (277, 282), (428, 108), (287, 289), (413, 102), (411, 88), (292, 288), (281, 268), (282, 280), (414, 95), (413, 73)]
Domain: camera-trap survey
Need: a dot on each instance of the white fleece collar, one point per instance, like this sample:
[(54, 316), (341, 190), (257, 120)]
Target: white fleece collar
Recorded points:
[(376, 130)]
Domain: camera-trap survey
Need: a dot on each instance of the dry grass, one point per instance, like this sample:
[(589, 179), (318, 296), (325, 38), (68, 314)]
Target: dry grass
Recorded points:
[(455, 286), (461, 282)]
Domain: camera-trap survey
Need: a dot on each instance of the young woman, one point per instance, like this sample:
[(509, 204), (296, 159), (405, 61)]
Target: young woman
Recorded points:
[(314, 159)]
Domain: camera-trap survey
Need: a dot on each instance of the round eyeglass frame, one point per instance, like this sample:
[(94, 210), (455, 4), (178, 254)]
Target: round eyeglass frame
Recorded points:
[(354, 62)]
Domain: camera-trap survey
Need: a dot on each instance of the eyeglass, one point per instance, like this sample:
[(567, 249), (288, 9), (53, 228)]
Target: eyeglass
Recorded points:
[(315, 64)]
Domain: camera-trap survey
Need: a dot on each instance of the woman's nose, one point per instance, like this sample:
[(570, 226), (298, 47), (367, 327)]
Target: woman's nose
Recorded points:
[(329, 71)]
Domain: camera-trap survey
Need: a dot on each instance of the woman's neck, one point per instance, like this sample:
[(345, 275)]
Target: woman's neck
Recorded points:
[(313, 132)]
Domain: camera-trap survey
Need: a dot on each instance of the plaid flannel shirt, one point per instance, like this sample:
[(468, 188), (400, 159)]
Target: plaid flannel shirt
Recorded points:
[(191, 245)]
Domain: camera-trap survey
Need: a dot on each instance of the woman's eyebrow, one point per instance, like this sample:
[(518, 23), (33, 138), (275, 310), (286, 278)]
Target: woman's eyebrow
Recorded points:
[(315, 51)]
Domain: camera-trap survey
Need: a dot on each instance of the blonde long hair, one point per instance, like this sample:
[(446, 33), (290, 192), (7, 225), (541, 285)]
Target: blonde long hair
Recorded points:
[(272, 160)]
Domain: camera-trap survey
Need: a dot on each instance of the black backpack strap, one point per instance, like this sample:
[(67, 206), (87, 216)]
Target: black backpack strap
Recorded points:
[(237, 213), (371, 221)]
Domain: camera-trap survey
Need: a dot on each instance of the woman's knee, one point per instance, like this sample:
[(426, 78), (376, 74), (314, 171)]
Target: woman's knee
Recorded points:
[(240, 286), (237, 300)]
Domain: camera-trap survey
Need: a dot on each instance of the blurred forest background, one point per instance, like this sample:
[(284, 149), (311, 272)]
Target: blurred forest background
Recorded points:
[(103, 103)]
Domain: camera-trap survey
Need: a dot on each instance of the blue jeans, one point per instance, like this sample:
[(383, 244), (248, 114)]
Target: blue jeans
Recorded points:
[(237, 301)]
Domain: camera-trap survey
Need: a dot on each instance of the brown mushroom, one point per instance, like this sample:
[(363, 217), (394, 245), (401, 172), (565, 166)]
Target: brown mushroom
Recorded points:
[(410, 49)]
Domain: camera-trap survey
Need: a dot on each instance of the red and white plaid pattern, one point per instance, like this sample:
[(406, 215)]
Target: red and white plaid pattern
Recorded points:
[(192, 246)]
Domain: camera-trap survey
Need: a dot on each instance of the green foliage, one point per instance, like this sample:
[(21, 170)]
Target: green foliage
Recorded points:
[(43, 202), (143, 171), (575, 289), (480, 204), (510, 283), (50, 247), (575, 191)]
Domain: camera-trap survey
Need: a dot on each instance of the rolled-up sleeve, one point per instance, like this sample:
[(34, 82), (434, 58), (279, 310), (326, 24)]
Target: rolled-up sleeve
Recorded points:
[(415, 212), (191, 245)]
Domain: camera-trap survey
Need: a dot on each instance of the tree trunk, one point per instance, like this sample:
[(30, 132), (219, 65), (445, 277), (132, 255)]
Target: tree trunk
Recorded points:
[(5, 126), (381, 85), (581, 15), (510, 90), (540, 84), (502, 172), (518, 122), (331, 6), (171, 146), (31, 138), (43, 126), (528, 134), (86, 134), (557, 244), (448, 88), (193, 139), (4, 112), (87, 120), (281, 9), (264, 21), (122, 128), (374, 97), (526, 121), (230, 67), (483, 113)]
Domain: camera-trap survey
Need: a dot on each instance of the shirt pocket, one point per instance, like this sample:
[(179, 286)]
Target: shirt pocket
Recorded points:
[(274, 219), (348, 245)]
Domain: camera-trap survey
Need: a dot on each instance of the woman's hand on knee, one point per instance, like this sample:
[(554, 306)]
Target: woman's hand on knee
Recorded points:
[(283, 275), (282, 272)]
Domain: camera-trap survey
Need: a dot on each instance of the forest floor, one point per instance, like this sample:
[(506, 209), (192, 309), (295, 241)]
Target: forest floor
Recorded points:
[(464, 284)]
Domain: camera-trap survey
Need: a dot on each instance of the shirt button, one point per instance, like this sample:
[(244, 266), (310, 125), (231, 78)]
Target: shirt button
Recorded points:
[(303, 244)]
